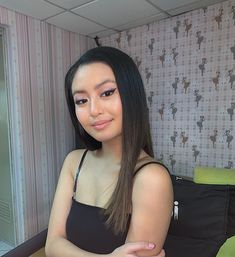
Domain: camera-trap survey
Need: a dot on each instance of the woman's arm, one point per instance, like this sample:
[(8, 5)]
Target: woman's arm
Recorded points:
[(152, 202), (57, 244)]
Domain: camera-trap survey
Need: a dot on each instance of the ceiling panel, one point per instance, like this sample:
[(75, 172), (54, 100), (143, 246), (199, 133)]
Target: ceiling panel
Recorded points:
[(211, 2), (35, 8), (142, 21), (103, 33), (169, 4), (68, 4), (185, 8), (72, 22), (103, 17), (115, 13), (192, 6)]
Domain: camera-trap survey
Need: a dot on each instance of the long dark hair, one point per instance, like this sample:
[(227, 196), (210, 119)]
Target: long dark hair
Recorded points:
[(135, 125)]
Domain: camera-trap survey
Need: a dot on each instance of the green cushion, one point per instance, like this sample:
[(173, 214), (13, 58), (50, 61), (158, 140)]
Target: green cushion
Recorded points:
[(219, 176), (228, 248)]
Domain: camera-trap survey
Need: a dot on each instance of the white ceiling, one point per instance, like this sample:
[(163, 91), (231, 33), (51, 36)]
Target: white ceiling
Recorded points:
[(102, 17)]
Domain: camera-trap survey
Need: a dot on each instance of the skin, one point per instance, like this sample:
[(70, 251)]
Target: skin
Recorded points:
[(99, 110)]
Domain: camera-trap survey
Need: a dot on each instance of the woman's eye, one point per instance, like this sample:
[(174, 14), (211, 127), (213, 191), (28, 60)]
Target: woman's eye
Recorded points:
[(108, 92), (80, 101)]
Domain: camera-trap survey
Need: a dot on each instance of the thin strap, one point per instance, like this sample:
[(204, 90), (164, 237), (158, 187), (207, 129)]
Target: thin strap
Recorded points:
[(78, 171), (150, 162)]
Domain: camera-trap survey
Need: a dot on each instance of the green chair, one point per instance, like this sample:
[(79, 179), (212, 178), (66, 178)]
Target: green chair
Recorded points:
[(228, 248), (219, 176)]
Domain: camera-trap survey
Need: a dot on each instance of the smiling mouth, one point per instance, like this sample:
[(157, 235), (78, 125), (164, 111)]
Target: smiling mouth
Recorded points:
[(101, 124)]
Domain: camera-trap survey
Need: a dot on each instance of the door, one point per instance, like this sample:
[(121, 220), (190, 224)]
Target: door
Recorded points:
[(7, 233)]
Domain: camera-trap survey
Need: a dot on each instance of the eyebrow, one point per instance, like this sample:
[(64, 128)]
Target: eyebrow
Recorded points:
[(96, 86)]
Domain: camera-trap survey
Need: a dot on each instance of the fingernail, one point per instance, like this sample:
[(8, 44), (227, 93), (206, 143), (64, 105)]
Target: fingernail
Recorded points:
[(151, 245)]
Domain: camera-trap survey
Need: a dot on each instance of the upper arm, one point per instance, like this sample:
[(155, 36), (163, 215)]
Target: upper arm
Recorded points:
[(63, 197), (152, 201)]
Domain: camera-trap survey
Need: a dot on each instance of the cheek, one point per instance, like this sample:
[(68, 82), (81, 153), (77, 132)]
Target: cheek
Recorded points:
[(81, 116), (119, 106)]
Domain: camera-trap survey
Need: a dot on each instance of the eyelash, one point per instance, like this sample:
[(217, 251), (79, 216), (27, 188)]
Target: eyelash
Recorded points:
[(108, 92), (80, 101), (104, 94)]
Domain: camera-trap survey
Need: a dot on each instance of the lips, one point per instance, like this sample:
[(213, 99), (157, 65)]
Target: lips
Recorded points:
[(101, 124)]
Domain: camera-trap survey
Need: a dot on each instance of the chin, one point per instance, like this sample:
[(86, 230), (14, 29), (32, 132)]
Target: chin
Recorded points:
[(107, 138)]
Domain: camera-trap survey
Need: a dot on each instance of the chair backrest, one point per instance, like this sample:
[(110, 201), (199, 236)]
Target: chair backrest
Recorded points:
[(199, 225)]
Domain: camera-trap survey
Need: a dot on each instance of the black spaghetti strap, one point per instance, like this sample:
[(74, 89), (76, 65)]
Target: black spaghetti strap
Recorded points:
[(78, 171), (150, 162)]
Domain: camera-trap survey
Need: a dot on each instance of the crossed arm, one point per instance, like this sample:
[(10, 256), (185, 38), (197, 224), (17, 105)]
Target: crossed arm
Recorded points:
[(152, 200)]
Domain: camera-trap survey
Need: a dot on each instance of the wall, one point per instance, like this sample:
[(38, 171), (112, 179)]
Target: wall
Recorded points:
[(188, 66), (41, 132)]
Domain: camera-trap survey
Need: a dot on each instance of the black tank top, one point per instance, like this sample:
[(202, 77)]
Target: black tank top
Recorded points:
[(86, 228)]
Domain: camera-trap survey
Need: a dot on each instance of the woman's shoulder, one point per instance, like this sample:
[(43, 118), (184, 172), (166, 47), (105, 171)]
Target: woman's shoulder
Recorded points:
[(73, 159), (151, 179), (75, 154), (148, 169), (149, 162)]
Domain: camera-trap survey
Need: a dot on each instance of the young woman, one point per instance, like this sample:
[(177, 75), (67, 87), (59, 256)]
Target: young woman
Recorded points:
[(113, 198)]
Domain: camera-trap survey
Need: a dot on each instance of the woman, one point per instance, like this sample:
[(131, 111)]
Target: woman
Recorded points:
[(112, 198)]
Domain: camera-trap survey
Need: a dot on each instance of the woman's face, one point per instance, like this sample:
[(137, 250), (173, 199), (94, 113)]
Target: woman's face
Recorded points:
[(97, 101)]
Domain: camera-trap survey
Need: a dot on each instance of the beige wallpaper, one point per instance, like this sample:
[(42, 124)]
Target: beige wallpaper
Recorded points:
[(41, 132), (188, 66)]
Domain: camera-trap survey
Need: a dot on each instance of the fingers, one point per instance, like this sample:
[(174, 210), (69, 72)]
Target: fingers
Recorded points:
[(133, 247)]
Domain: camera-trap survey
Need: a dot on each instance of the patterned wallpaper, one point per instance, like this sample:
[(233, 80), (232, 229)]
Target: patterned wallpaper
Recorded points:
[(188, 66), (39, 55)]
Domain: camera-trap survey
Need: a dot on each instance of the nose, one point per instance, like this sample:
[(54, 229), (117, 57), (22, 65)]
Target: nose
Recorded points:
[(95, 107)]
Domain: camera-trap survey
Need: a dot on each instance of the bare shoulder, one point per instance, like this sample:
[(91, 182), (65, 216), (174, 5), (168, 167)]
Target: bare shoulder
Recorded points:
[(75, 154), (153, 173), (72, 160), (153, 180)]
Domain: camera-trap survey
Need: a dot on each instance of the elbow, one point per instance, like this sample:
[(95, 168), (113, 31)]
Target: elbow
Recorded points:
[(154, 252), (49, 248), (53, 246)]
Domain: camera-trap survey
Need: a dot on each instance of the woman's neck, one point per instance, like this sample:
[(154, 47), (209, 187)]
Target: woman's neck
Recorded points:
[(111, 150)]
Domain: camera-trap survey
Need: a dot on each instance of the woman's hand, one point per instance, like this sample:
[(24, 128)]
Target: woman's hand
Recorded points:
[(130, 249)]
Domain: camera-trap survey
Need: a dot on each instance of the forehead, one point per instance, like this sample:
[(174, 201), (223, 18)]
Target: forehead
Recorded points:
[(92, 73)]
